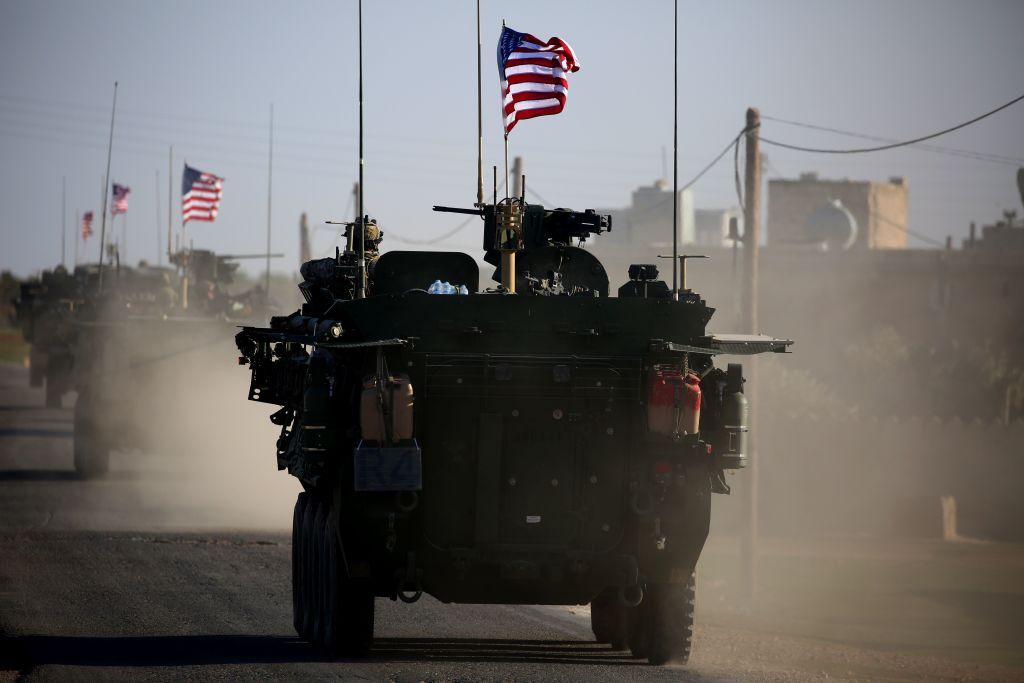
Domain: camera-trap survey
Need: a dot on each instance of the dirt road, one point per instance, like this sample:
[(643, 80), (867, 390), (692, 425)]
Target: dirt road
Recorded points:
[(169, 572)]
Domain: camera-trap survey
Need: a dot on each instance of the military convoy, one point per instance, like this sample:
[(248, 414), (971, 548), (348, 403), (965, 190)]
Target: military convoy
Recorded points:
[(107, 337), (537, 441)]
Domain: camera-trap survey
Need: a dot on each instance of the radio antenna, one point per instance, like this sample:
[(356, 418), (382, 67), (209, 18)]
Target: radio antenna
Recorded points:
[(361, 275), (479, 118), (675, 153)]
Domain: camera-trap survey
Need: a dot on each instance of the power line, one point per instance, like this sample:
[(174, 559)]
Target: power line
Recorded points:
[(903, 228), (951, 151), (894, 145)]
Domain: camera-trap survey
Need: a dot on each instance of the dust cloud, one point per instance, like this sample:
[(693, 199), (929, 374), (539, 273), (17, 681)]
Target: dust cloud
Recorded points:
[(204, 456)]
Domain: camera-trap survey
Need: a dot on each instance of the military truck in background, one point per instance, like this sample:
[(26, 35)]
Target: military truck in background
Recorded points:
[(143, 326), (536, 442), (44, 312)]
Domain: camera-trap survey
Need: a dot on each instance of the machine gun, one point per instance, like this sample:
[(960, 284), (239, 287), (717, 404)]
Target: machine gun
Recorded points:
[(542, 241)]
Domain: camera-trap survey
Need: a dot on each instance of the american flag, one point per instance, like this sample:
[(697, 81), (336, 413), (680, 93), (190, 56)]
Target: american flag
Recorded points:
[(200, 195), (120, 204), (533, 75), (86, 225)]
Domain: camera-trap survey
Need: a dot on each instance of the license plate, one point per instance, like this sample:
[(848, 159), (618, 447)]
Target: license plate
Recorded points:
[(395, 468)]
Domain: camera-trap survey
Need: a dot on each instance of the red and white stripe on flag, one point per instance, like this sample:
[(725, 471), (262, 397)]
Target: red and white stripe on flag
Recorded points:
[(201, 193), (534, 76)]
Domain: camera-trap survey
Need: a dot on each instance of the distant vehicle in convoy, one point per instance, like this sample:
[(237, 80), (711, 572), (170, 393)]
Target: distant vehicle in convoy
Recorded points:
[(44, 311), (139, 322), (537, 442)]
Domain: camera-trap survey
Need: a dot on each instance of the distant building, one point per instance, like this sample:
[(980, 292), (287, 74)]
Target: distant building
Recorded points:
[(1004, 235), (648, 220), (837, 214), (711, 227)]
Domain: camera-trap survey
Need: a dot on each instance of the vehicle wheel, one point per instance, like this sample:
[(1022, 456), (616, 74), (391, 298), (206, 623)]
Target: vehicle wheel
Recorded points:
[(639, 631), (320, 578), (36, 369), (349, 608), (298, 607), (58, 370), (54, 392), (90, 450), (609, 619), (308, 569), (332, 571), (671, 622)]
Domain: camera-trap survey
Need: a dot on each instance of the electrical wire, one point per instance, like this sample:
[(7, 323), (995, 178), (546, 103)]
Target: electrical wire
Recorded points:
[(951, 151), (893, 145), (902, 228)]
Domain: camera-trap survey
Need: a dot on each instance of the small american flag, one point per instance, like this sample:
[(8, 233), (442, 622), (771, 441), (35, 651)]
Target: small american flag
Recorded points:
[(120, 204), (533, 75), (200, 195), (86, 225)]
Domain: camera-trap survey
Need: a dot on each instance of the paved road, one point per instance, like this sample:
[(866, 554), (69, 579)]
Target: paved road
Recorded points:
[(158, 574)]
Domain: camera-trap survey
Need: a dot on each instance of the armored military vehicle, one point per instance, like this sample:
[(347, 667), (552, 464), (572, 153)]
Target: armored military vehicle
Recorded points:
[(45, 311), (535, 442), (143, 329)]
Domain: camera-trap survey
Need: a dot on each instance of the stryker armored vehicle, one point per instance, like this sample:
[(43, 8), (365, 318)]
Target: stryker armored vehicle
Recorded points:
[(135, 351), (537, 442), (44, 311)]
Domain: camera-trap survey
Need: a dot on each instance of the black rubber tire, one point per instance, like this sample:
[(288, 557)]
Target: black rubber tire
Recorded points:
[(90, 450), (298, 609), (308, 570), (356, 606), (671, 618), (320, 576), (333, 571), (54, 392), (639, 632), (58, 374), (348, 608), (609, 619)]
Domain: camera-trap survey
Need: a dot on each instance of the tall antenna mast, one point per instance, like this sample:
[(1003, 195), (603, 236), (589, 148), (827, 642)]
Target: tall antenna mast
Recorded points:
[(270, 193), (479, 118), (106, 188), (361, 276), (675, 153)]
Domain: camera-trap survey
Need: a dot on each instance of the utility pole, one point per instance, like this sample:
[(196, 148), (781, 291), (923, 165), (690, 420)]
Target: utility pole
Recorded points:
[(751, 247), (517, 177)]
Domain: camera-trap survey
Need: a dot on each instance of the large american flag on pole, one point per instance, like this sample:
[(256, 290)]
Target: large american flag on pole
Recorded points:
[(533, 75), (120, 203), (86, 225), (200, 195)]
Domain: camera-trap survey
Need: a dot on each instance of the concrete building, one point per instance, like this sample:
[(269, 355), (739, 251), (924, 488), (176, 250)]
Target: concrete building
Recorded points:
[(808, 211), (1007, 234), (648, 219), (711, 227)]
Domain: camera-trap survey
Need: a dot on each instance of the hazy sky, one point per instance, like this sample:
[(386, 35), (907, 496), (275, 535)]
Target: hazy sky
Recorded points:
[(202, 76)]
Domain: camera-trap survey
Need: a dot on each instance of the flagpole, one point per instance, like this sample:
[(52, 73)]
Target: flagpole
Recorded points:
[(106, 187), (77, 227), (361, 281), (675, 154), (479, 117), (170, 195), (124, 239), (270, 188), (504, 126), (160, 257), (63, 220)]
